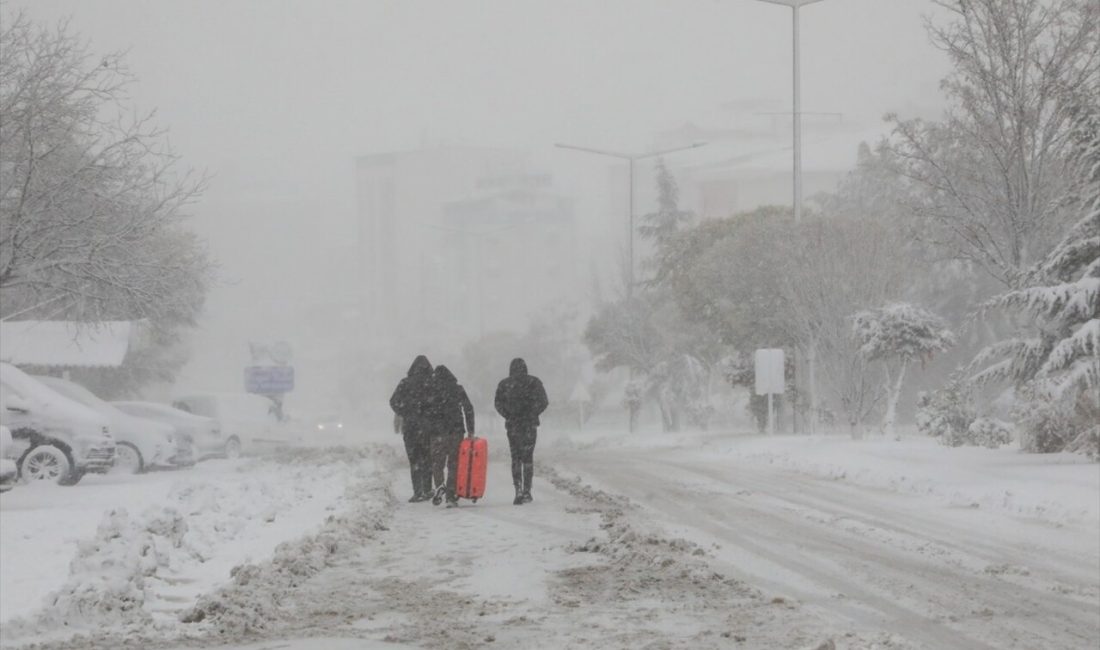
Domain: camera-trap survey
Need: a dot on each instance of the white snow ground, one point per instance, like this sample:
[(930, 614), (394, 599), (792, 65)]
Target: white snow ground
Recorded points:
[(688, 541)]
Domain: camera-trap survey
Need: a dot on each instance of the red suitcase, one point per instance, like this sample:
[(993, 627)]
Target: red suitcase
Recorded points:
[(473, 461)]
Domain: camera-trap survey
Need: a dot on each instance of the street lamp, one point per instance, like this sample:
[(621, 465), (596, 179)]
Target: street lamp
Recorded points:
[(795, 5), (631, 159)]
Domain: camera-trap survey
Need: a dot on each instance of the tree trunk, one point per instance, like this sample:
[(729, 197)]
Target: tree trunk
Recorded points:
[(811, 360), (889, 420)]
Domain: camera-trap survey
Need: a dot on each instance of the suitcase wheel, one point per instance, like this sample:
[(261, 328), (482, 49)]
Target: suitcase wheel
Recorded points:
[(475, 500)]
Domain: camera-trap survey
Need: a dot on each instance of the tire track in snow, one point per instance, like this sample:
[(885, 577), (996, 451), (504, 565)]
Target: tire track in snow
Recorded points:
[(923, 597)]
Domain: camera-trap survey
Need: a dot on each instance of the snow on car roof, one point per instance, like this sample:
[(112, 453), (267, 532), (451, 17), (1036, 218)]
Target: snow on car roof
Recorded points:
[(143, 409), (39, 392), (64, 343)]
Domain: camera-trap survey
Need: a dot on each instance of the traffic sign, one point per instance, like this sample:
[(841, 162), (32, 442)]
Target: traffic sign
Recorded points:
[(269, 380), (769, 371)]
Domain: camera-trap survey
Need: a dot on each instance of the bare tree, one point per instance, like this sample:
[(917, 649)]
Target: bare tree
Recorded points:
[(91, 205), (835, 267), (995, 167)]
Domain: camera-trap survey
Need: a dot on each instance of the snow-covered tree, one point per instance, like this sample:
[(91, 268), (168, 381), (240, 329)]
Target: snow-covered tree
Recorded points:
[(91, 207), (994, 170), (663, 224), (1059, 360), (897, 334)]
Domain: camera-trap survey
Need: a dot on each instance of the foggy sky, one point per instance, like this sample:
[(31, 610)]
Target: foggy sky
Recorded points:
[(276, 98)]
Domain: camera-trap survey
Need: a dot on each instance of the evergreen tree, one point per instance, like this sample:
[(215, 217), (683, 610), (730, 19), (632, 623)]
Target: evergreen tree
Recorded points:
[(1060, 361)]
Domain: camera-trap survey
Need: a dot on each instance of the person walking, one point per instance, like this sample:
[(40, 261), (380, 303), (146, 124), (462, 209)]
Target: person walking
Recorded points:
[(451, 417), (410, 402), (520, 400)]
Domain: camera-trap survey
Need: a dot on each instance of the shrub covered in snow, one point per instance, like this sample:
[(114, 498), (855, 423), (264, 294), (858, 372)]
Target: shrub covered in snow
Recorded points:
[(946, 414), (1047, 427), (989, 432)]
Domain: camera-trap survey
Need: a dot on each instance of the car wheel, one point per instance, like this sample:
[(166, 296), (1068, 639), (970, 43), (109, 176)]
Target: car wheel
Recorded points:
[(233, 448), (127, 459), (45, 463)]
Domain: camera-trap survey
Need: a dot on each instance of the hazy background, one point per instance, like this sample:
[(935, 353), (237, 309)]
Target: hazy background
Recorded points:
[(276, 99)]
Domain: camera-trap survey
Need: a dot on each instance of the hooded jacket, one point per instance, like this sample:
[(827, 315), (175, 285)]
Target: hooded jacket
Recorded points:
[(411, 398), (449, 408), (520, 398)]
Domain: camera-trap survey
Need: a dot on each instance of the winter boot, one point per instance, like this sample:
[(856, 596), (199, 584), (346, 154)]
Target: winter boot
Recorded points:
[(528, 476), (438, 497), (518, 501), (452, 502), (416, 498)]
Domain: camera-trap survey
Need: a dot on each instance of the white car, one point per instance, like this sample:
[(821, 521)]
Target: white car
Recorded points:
[(55, 438), (141, 444), (8, 471), (205, 433), (250, 420)]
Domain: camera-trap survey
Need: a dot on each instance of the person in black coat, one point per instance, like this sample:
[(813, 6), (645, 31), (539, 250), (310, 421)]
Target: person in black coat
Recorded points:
[(520, 400), (410, 403), (451, 416)]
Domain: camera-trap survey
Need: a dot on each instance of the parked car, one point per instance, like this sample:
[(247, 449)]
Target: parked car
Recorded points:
[(205, 433), (9, 473), (141, 444), (250, 421), (54, 438)]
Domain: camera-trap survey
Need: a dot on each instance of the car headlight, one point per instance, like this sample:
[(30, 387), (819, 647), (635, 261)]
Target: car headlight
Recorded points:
[(340, 425), (321, 427)]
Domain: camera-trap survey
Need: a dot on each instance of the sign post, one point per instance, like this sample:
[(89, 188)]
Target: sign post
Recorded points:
[(769, 365), (271, 373)]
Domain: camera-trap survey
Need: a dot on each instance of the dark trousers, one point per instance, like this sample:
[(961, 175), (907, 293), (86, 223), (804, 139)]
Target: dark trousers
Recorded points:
[(420, 463), (521, 443), (445, 454)]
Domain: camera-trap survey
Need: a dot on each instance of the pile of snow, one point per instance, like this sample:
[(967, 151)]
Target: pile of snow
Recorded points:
[(139, 572), (255, 598)]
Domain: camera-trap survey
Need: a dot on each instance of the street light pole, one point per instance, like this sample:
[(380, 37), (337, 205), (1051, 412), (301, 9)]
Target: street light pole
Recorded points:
[(631, 158), (796, 82), (795, 5)]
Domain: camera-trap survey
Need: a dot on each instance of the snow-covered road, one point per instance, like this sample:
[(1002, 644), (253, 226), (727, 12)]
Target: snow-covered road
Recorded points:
[(673, 543), (936, 576)]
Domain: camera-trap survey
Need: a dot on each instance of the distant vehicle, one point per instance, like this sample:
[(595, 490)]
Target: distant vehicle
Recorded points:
[(141, 444), (249, 422), (9, 473), (205, 433), (55, 438), (329, 423)]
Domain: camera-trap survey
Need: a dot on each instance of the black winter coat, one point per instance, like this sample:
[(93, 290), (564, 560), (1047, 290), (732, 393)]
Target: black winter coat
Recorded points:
[(449, 408), (411, 399), (520, 398)]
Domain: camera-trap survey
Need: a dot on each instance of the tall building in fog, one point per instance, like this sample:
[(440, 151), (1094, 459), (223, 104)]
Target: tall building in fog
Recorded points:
[(513, 249), (442, 236)]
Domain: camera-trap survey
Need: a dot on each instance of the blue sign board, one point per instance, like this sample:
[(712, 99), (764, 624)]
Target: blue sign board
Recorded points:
[(269, 380)]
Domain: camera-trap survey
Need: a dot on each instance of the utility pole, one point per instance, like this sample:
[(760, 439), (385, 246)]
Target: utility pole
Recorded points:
[(795, 5), (631, 158), (796, 83)]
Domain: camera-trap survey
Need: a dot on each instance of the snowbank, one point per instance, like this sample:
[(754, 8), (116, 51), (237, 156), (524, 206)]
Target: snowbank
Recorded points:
[(161, 540)]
